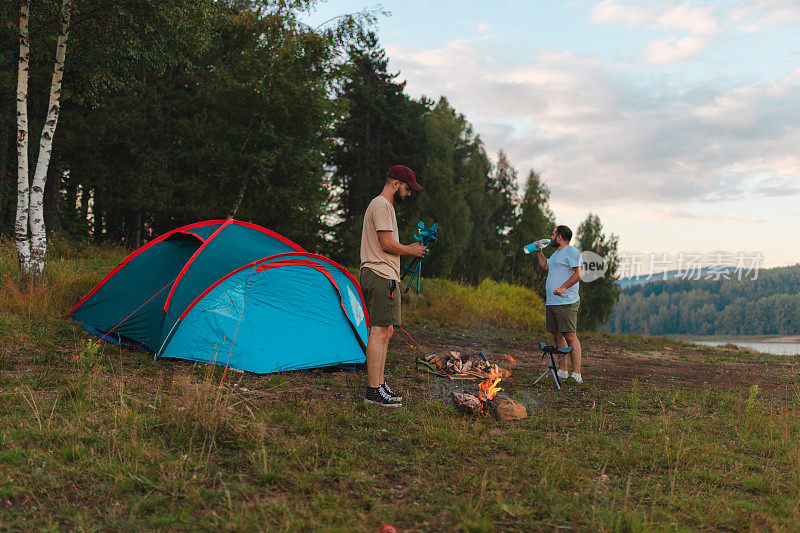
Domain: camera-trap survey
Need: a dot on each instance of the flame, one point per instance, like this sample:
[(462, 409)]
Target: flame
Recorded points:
[(489, 388), (510, 358)]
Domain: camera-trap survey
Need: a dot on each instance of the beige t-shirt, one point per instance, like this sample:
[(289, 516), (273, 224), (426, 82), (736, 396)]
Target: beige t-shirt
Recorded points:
[(379, 217)]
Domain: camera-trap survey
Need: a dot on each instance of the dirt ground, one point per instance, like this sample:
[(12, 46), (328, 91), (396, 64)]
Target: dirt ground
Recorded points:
[(610, 364)]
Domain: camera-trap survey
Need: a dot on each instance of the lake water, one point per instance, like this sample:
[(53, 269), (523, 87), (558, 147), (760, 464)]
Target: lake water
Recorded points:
[(777, 348)]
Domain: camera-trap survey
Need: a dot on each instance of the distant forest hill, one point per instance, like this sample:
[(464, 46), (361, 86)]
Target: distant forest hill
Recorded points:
[(766, 305)]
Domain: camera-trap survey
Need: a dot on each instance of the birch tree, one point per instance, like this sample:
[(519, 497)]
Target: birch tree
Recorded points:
[(23, 183), (29, 230)]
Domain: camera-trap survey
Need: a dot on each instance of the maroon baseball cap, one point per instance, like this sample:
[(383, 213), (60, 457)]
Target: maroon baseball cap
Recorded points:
[(403, 173)]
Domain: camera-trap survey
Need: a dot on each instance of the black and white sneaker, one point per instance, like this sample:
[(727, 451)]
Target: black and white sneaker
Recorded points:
[(378, 396), (391, 393)]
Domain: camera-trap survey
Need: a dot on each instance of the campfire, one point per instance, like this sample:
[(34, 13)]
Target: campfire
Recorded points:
[(488, 402)]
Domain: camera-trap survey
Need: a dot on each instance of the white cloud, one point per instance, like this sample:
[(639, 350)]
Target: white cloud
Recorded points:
[(759, 15), (610, 12), (697, 20), (690, 29), (672, 215), (483, 27), (675, 50)]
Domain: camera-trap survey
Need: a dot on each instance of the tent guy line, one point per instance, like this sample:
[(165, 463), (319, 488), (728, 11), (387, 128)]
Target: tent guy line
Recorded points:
[(107, 333)]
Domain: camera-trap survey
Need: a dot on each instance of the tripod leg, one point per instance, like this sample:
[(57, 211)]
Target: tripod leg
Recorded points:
[(410, 268), (411, 279), (544, 374), (553, 369)]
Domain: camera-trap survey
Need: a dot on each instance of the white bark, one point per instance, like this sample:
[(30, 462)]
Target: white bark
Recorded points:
[(23, 184), (239, 198), (38, 244), (32, 250)]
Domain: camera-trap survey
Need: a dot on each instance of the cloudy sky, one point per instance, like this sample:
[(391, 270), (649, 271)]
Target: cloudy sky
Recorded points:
[(677, 122)]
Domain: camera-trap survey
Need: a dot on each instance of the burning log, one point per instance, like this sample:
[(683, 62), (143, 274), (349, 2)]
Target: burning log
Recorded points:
[(487, 401), (466, 403), (501, 406)]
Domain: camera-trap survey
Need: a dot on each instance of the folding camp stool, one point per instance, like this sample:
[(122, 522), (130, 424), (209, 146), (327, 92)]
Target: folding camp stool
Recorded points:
[(552, 364)]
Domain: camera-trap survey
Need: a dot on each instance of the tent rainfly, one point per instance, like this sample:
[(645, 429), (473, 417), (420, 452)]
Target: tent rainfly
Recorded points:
[(230, 293)]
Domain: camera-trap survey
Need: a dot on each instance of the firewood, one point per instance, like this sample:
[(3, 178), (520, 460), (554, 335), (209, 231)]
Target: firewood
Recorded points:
[(466, 403)]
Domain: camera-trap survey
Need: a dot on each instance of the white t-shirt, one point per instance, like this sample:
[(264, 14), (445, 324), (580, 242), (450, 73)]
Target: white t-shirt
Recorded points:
[(559, 270)]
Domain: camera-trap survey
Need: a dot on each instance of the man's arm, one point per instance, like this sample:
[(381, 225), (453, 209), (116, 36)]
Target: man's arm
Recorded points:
[(541, 257), (391, 246), (573, 279)]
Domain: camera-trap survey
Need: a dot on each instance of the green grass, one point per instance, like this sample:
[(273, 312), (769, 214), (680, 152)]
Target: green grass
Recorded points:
[(115, 441)]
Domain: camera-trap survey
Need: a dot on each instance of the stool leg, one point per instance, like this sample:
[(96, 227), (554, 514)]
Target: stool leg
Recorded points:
[(544, 374), (553, 369)]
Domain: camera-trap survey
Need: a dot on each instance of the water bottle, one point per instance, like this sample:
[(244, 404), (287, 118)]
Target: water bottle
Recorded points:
[(528, 248)]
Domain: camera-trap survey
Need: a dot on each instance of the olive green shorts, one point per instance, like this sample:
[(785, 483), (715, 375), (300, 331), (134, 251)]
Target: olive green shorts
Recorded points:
[(562, 318), (382, 307)]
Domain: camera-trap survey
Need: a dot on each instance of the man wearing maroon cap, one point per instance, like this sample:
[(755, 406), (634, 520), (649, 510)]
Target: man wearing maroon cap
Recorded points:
[(380, 277)]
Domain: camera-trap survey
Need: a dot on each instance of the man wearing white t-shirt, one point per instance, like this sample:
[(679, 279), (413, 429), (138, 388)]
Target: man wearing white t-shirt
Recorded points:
[(564, 270)]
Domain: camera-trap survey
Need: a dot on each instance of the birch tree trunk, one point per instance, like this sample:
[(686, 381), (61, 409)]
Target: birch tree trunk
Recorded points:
[(38, 245), (239, 198), (23, 183)]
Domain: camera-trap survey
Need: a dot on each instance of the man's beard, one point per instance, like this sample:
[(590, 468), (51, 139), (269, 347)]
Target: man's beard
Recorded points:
[(399, 196), (553, 243)]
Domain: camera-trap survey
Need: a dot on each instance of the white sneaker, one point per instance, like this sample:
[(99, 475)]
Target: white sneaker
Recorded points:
[(562, 374), (577, 377)]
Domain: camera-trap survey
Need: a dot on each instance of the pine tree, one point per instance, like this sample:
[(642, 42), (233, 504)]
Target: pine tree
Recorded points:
[(381, 128), (598, 297), (442, 200), (536, 221), (503, 185), (483, 255)]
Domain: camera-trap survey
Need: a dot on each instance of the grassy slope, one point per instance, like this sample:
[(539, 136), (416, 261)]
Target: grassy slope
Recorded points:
[(103, 437)]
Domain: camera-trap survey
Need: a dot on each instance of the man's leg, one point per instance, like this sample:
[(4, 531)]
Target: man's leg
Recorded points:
[(385, 352), (560, 342), (575, 356), (377, 344)]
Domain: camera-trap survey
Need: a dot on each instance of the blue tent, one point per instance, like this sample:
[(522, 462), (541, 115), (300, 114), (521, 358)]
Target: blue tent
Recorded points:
[(231, 293)]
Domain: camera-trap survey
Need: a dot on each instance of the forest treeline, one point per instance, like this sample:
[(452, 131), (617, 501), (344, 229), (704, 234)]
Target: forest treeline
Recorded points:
[(174, 111), (767, 305)]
